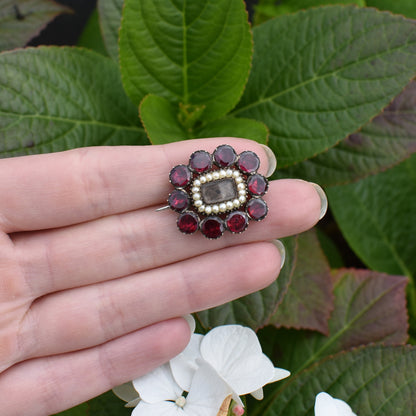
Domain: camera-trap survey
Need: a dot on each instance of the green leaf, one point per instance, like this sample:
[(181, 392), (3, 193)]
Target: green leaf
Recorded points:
[(385, 141), (53, 99), (308, 301), (91, 36), (107, 405), (22, 20), (161, 121), (369, 307), (404, 7), (374, 381), (266, 9), (255, 310), (320, 74), (189, 52), (81, 410), (109, 12), (377, 216), (235, 127)]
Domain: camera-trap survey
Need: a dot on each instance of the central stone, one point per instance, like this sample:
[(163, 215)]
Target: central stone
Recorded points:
[(219, 191)]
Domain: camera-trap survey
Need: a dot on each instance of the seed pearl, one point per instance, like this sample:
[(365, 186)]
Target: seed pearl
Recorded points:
[(242, 193), (209, 177), (222, 173), (229, 173), (223, 207), (241, 186), (242, 199), (196, 196), (215, 175), (198, 203), (197, 182), (239, 179), (229, 205), (215, 209), (202, 208), (202, 179), (195, 189), (236, 203), (236, 174), (208, 210)]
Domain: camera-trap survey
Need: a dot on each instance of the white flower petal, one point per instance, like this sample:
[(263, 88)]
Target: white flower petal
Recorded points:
[(133, 403), (207, 392), (235, 352), (158, 385), (326, 405), (185, 364), (258, 394), (126, 392), (279, 374), (157, 409), (191, 322)]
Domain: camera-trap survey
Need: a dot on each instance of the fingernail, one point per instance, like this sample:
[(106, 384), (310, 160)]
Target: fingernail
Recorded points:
[(191, 322), (324, 199), (271, 160), (282, 252)]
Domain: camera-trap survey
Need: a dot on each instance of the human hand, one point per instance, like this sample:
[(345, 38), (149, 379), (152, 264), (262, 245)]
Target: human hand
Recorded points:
[(93, 281)]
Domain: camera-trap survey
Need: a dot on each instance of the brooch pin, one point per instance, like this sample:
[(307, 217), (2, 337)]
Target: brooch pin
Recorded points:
[(218, 192)]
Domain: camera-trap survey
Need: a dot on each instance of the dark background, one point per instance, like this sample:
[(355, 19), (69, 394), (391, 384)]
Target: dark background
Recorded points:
[(65, 29)]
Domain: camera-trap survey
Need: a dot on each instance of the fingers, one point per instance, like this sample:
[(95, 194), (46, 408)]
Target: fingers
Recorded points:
[(59, 189), (83, 317), (52, 384), (140, 240)]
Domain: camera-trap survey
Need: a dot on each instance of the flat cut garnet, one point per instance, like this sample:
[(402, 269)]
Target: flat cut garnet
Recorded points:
[(188, 222), (180, 176), (178, 200), (257, 209), (224, 156), (212, 227), (248, 162), (237, 221), (200, 161), (257, 184)]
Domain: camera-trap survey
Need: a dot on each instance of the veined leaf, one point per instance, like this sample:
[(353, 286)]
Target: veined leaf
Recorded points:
[(383, 142), (22, 20), (109, 12), (374, 381), (320, 74), (189, 52), (51, 99)]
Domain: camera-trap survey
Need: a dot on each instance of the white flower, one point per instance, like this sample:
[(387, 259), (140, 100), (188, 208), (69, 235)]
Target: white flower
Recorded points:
[(128, 393), (162, 396), (234, 352), (326, 405)]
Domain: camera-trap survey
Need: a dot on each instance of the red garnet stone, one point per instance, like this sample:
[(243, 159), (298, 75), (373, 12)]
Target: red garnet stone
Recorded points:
[(212, 227), (178, 200), (248, 162), (257, 184), (188, 222), (256, 208), (180, 176), (200, 161), (237, 221), (224, 156)]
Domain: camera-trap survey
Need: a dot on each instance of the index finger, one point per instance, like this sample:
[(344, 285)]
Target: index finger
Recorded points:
[(60, 189)]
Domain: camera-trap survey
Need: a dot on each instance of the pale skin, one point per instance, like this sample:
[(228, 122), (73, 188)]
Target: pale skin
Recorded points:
[(94, 281)]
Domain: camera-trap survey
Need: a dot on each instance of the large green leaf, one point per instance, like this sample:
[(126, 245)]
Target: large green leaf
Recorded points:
[(255, 310), (308, 301), (91, 37), (385, 141), (190, 52), (161, 121), (52, 99), (21, 20), (377, 216), (405, 7), (369, 307), (374, 381), (266, 9), (320, 74), (109, 12)]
